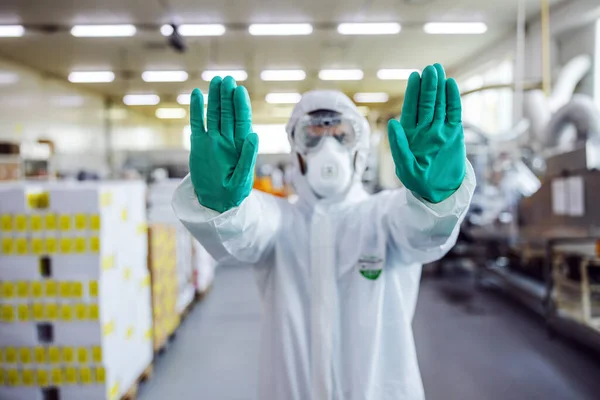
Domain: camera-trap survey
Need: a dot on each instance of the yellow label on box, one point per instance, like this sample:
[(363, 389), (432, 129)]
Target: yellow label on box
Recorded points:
[(93, 288), (21, 244), (42, 378), (8, 313), (38, 311), (81, 221), (97, 354), (2, 377), (51, 220), (95, 244), (37, 246), (108, 328), (77, 290), (65, 289), (71, 376), (7, 246), (68, 355), (100, 375), (85, 375), (66, 245), (95, 222), (108, 262), (25, 355), (51, 288), (94, 312), (32, 200), (21, 222), (39, 355), (28, 377), (6, 222), (8, 290), (37, 289), (43, 200), (81, 312), (51, 245), (22, 289), (57, 376), (53, 354), (36, 223), (64, 222), (80, 245), (13, 377), (23, 312), (1, 356), (82, 355), (10, 355), (66, 313), (51, 311)]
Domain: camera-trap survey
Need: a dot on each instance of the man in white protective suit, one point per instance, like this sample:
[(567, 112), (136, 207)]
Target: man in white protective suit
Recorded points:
[(338, 270)]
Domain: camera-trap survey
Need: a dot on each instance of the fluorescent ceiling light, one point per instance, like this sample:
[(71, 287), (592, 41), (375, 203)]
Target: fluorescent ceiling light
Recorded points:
[(455, 28), (164, 76), (141, 99), (283, 75), (11, 30), (8, 78), (103, 30), (283, 98), (194, 30), (91, 76), (340, 74), (280, 29), (238, 75), (184, 99), (383, 28), (371, 97), (170, 113), (395, 74)]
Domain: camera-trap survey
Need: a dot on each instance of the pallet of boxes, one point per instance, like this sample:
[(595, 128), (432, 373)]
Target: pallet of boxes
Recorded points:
[(75, 306)]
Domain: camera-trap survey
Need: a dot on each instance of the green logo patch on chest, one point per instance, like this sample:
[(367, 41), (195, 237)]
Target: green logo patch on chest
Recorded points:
[(370, 267)]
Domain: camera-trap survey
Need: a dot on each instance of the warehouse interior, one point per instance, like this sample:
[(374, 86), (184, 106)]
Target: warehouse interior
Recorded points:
[(109, 292)]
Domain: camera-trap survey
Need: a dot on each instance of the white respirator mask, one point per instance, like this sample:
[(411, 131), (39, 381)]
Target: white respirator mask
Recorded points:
[(329, 168)]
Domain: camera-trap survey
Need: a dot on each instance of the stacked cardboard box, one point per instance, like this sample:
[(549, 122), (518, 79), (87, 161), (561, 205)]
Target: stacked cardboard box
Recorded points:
[(76, 320), (162, 263)]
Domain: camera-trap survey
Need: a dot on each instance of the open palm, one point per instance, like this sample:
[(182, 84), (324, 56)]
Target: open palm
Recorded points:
[(427, 143)]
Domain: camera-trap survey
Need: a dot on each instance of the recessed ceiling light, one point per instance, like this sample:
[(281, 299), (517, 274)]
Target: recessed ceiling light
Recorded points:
[(11, 30), (341, 74), (283, 75), (383, 28), (371, 97), (194, 30), (91, 76), (103, 30), (164, 76), (283, 98), (455, 28), (170, 113), (400, 74), (238, 75), (280, 29), (141, 99), (185, 98)]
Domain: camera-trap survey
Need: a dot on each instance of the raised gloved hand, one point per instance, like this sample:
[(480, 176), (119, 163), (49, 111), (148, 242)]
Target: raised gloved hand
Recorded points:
[(428, 142), (223, 155)]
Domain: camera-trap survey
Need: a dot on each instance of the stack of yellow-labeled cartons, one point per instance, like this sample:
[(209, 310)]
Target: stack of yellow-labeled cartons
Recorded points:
[(75, 308)]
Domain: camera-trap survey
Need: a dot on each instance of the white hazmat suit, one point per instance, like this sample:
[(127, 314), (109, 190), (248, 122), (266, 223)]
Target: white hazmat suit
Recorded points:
[(339, 276)]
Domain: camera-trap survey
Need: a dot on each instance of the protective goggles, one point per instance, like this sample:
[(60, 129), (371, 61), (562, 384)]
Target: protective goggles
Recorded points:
[(311, 130)]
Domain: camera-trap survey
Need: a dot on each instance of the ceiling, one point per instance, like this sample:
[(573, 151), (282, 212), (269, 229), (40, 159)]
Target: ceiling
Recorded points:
[(58, 53)]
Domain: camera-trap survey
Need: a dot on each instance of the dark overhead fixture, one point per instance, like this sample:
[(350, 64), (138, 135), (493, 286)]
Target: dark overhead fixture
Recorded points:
[(176, 41)]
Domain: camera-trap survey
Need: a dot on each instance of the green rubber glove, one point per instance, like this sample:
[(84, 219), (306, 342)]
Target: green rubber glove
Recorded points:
[(428, 142), (223, 155)]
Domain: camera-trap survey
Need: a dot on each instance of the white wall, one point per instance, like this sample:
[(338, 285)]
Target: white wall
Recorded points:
[(33, 107)]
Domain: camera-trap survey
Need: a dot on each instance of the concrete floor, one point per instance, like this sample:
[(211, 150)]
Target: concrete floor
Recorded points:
[(471, 345)]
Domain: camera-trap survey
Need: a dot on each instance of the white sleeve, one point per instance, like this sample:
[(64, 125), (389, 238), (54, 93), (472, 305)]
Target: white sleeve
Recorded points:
[(245, 233), (422, 232)]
